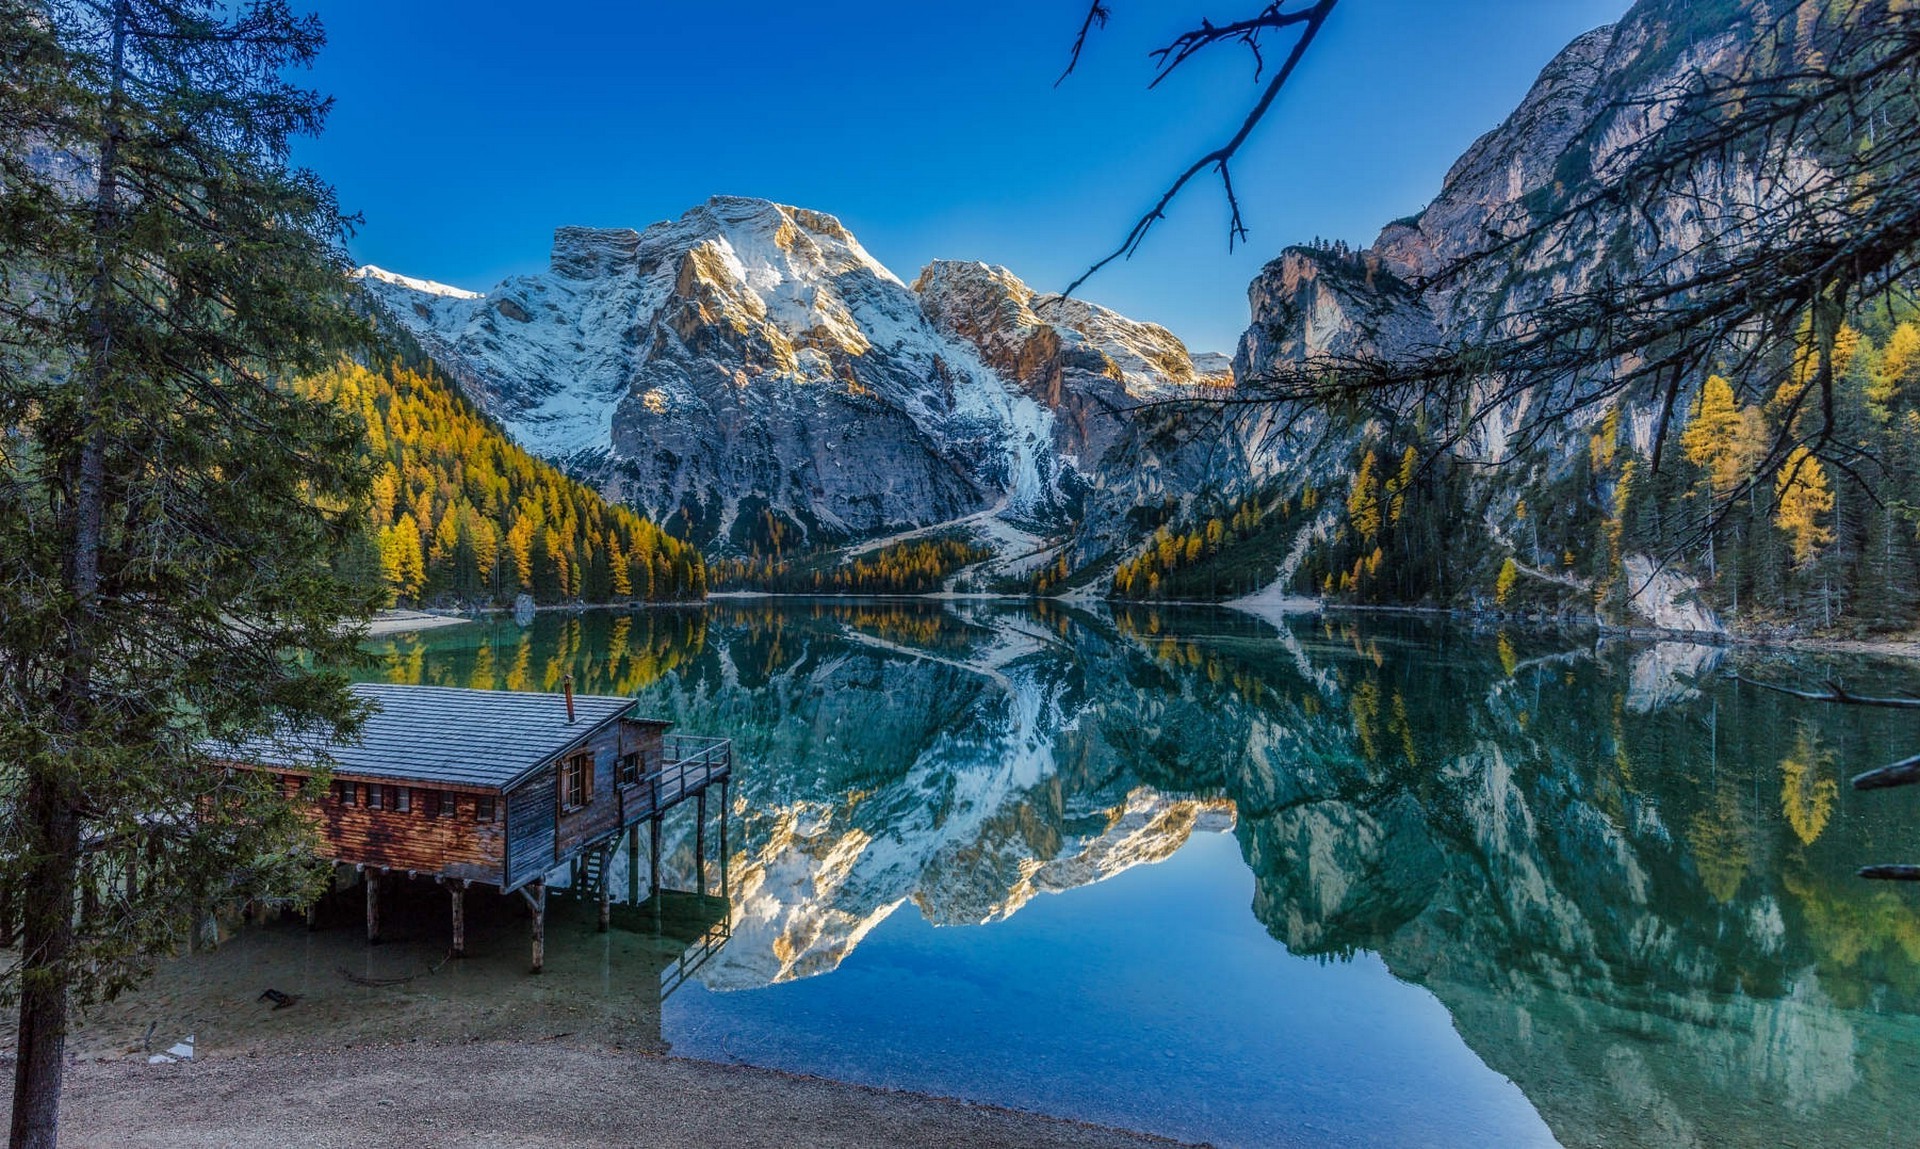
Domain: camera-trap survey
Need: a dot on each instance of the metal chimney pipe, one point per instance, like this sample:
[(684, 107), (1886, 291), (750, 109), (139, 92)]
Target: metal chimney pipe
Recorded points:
[(569, 681)]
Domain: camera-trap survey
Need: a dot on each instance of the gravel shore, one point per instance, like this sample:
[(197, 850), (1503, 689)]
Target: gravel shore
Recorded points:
[(522, 1095)]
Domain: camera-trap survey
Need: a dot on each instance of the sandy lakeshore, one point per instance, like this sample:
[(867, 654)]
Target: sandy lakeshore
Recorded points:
[(395, 1045), (523, 1095), (404, 621)]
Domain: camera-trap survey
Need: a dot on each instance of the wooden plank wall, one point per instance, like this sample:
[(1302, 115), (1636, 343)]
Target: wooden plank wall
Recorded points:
[(648, 738), (458, 847), (601, 816), (530, 826)]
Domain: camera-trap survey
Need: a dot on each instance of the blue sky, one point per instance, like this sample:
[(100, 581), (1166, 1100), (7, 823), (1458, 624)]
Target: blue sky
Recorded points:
[(465, 133)]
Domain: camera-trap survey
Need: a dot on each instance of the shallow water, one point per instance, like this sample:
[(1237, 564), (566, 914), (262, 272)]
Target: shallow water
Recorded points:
[(1356, 882)]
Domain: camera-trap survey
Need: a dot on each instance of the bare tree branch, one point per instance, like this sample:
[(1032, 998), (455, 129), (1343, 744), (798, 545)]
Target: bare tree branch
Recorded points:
[(1902, 773), (1306, 20), (1097, 14), (1833, 693)]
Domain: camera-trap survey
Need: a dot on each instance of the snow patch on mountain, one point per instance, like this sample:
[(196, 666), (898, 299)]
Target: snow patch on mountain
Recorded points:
[(423, 286)]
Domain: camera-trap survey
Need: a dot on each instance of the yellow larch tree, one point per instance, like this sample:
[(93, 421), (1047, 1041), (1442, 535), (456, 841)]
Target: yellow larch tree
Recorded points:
[(1803, 497)]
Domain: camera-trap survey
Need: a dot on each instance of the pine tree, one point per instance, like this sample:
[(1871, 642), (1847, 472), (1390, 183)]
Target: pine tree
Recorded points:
[(170, 515)]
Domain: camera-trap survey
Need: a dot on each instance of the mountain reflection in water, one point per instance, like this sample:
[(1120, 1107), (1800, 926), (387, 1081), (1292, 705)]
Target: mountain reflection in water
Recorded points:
[(1627, 879)]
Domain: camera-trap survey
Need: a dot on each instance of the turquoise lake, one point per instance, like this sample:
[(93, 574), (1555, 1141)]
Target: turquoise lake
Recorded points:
[(1341, 880)]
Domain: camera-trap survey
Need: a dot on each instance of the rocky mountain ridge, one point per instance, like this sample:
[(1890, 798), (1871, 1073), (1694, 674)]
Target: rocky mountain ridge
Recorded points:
[(751, 376), (1575, 510)]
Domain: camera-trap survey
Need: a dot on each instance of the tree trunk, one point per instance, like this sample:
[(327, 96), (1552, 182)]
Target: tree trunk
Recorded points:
[(52, 816), (47, 940)]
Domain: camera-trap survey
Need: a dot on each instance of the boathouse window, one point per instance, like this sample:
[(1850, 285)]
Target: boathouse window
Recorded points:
[(343, 792), (376, 796), (402, 799), (440, 803), (576, 781), (483, 808), (629, 767)]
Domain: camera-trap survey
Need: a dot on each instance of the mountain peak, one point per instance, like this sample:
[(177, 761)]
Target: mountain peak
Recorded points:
[(424, 286), (749, 370)]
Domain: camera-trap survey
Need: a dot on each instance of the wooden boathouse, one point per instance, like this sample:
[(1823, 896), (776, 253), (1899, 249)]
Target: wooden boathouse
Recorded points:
[(498, 788)]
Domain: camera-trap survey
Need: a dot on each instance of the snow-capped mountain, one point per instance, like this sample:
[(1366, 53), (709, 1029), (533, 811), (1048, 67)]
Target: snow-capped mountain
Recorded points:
[(752, 371)]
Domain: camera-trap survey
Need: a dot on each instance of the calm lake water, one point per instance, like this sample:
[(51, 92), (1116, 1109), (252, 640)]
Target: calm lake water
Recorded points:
[(1346, 882)]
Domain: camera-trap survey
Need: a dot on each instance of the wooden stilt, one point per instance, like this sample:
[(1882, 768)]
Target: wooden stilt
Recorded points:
[(606, 889), (313, 916), (633, 865), (373, 906), (700, 842), (537, 901), (457, 892), (725, 806), (653, 873)]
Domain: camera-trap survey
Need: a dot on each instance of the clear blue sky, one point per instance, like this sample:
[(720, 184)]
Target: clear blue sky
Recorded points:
[(466, 132)]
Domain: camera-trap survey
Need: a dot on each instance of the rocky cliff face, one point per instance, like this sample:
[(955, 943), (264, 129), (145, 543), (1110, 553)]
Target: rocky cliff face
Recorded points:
[(1598, 103), (1128, 399), (1425, 284), (751, 373)]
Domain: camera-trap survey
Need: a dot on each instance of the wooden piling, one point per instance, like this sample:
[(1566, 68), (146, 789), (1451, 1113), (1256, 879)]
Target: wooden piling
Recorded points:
[(606, 888), (633, 865), (700, 842), (373, 906), (725, 806), (457, 893), (653, 873), (537, 900)]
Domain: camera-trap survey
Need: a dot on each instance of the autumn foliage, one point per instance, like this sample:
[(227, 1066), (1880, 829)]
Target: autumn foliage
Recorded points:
[(461, 514)]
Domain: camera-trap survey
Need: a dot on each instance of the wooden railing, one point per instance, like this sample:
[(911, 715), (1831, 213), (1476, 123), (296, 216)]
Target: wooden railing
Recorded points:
[(689, 764), (692, 750), (695, 955)]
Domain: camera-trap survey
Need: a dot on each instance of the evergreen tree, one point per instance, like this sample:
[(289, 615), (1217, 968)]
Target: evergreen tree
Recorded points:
[(170, 516)]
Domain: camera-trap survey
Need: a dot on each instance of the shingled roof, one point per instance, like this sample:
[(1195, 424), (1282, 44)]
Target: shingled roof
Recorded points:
[(446, 734)]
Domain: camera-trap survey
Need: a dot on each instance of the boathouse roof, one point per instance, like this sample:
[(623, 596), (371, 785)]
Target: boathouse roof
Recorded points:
[(445, 734)]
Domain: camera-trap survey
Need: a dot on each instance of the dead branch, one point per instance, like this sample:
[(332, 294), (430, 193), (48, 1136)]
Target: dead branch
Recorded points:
[(1891, 873), (1097, 14), (1833, 693), (1902, 773), (1307, 21)]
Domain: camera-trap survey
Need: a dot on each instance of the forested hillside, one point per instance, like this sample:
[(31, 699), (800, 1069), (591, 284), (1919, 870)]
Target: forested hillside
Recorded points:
[(1810, 541), (916, 566), (460, 514)]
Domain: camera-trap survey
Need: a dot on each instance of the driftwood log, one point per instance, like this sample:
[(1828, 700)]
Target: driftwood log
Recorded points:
[(1902, 773)]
